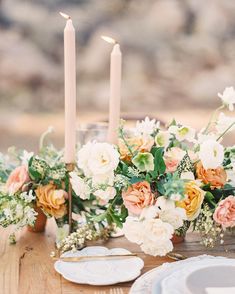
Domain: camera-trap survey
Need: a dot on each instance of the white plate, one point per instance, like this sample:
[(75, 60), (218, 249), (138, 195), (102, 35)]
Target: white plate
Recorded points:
[(144, 284), (212, 276), (100, 272), (192, 280)]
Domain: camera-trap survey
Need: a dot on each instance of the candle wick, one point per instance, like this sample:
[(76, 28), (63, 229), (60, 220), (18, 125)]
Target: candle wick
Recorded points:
[(66, 16)]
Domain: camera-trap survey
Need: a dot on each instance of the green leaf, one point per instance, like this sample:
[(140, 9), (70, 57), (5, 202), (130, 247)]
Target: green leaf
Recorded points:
[(159, 164), (99, 218)]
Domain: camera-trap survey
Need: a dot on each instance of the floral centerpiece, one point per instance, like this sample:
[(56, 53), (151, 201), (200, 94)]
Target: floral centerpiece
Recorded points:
[(156, 184)]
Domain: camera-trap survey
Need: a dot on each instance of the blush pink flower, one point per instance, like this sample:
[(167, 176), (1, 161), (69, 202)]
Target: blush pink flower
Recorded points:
[(225, 212), (17, 179), (137, 197), (172, 158)]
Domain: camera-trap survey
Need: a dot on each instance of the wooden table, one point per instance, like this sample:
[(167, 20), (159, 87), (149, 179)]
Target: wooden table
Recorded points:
[(26, 267)]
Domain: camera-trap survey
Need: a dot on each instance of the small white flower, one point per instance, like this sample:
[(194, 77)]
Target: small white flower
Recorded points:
[(133, 230), (146, 127), (187, 176), (183, 133), (176, 196), (160, 248), (28, 196), (26, 157), (211, 154), (228, 97), (225, 122), (106, 195), (162, 139), (175, 217), (62, 233), (79, 186), (149, 212), (163, 203), (98, 159), (103, 179)]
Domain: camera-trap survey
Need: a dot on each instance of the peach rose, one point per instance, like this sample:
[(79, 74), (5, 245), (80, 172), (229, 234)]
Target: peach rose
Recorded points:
[(17, 179), (194, 197), (225, 212), (215, 177), (137, 197), (172, 158), (141, 144), (51, 200)]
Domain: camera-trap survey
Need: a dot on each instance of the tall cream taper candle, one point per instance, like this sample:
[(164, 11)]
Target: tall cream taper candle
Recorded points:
[(70, 90), (115, 91)]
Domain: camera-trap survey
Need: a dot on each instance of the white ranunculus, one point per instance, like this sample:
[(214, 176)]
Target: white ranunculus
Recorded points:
[(106, 195), (156, 230), (79, 186), (162, 139), (163, 203), (228, 97), (225, 122), (157, 248), (211, 154), (174, 217), (98, 159), (133, 230), (146, 127), (149, 212), (183, 133)]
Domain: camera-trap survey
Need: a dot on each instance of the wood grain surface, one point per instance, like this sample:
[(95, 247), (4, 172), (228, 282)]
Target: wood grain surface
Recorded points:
[(26, 267)]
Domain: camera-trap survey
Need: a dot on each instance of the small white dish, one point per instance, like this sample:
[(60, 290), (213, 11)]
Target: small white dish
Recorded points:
[(100, 272)]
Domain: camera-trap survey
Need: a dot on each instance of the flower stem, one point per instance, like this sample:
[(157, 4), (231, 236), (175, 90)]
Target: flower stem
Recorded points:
[(221, 136), (212, 118)]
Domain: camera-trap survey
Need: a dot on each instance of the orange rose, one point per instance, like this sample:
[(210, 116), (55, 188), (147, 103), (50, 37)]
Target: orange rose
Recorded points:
[(51, 200), (137, 197), (215, 177), (141, 144)]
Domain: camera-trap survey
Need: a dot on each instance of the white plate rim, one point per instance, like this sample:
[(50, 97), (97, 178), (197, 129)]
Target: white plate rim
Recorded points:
[(135, 275)]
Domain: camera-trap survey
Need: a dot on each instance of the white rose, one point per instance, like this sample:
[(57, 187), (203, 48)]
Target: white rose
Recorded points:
[(211, 154), (79, 186), (162, 139), (98, 159), (228, 97), (160, 248), (174, 217), (133, 230), (156, 230), (225, 123)]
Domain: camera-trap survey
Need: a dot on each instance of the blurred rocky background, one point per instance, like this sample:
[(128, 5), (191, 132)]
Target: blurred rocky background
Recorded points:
[(177, 54)]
